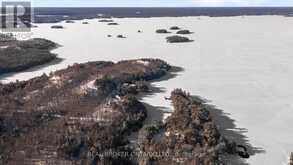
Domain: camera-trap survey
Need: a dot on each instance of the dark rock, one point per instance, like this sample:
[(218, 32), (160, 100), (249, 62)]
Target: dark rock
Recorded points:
[(183, 32), (176, 39), (139, 31), (109, 35), (85, 23)]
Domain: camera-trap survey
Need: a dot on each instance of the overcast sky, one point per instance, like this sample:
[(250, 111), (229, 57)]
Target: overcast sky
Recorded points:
[(160, 3)]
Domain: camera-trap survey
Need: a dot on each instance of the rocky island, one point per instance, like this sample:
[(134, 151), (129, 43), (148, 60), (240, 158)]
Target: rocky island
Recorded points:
[(75, 115), (183, 32), (85, 113), (113, 23), (106, 20), (174, 28), (20, 55), (176, 39), (162, 31), (57, 27)]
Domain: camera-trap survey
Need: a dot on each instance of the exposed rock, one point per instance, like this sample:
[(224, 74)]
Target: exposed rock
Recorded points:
[(109, 35), (174, 28), (162, 31), (176, 38), (57, 27), (183, 32), (85, 23), (139, 31)]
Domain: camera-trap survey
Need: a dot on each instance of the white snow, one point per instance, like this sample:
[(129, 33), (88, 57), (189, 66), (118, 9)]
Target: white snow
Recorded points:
[(145, 63), (242, 64)]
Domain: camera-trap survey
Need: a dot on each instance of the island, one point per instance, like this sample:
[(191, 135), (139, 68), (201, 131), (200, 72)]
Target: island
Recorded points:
[(75, 115), (174, 28), (184, 32), (18, 55), (113, 23), (57, 27), (106, 20), (176, 39), (162, 31), (84, 114), (69, 21)]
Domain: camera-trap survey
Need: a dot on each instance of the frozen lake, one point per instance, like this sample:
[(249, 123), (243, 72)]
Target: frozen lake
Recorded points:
[(244, 65)]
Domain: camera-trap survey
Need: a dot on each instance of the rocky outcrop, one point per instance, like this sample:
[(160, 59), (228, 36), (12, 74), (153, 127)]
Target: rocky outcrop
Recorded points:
[(176, 39), (78, 115), (189, 136), (20, 55), (85, 23)]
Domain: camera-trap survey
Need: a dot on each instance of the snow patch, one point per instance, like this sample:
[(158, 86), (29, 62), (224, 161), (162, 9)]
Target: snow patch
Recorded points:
[(143, 62)]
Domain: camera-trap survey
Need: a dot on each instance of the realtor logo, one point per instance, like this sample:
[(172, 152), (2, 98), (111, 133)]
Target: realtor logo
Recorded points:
[(16, 16)]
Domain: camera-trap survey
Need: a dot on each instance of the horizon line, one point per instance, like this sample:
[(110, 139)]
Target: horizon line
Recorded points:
[(163, 7)]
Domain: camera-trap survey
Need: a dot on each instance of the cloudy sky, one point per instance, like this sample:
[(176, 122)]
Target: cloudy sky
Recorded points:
[(161, 3)]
